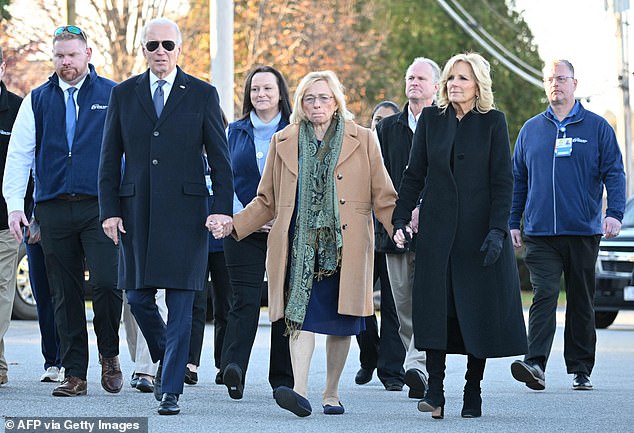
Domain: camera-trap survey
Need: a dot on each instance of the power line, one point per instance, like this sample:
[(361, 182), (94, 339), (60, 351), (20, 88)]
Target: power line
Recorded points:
[(475, 24), (491, 50)]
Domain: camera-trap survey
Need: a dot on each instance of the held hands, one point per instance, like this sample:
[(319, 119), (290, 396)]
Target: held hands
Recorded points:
[(402, 235), (219, 225), (492, 246)]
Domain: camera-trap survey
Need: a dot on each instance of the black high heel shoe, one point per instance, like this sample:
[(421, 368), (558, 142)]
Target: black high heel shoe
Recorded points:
[(429, 405), (472, 403)]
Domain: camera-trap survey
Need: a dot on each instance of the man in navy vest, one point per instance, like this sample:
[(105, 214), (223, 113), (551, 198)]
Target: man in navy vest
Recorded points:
[(58, 130)]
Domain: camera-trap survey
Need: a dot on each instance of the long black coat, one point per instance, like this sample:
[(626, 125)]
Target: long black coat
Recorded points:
[(163, 197), (464, 171)]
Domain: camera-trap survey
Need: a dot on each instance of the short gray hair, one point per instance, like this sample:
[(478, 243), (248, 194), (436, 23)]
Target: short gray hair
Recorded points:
[(564, 62), (435, 69), (161, 20)]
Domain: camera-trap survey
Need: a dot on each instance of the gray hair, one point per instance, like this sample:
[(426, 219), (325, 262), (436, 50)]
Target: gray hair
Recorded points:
[(565, 63), (434, 68), (161, 20)]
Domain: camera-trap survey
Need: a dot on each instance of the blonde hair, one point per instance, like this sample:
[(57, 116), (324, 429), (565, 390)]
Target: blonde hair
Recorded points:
[(335, 86), (482, 74)]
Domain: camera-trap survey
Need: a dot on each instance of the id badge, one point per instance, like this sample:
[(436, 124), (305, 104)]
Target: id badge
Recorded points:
[(208, 181), (563, 147)]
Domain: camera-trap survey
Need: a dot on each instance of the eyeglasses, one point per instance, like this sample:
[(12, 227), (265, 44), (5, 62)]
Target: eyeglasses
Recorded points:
[(153, 45), (561, 79), (323, 99), (73, 30)]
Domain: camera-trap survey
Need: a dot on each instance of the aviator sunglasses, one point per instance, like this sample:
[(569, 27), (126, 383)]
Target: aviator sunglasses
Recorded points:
[(74, 30), (153, 45)]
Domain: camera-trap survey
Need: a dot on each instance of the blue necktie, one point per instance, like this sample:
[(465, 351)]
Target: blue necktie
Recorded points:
[(71, 117), (158, 98)]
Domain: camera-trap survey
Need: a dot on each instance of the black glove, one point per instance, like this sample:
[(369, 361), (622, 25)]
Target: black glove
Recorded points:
[(402, 227), (492, 246)]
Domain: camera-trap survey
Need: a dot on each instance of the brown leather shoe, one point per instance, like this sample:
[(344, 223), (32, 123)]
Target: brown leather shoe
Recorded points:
[(111, 376), (71, 387)]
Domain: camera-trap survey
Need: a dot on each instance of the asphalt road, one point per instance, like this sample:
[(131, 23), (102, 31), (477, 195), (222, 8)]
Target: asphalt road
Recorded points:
[(508, 406)]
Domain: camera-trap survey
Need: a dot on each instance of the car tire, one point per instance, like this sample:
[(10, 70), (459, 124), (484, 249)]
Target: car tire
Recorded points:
[(603, 319), (24, 307)]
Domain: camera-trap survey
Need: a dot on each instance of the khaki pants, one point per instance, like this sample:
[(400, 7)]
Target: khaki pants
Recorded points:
[(400, 268), (9, 248)]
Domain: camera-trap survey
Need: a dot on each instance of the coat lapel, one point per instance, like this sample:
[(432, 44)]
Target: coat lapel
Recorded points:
[(143, 93), (288, 148), (350, 142)]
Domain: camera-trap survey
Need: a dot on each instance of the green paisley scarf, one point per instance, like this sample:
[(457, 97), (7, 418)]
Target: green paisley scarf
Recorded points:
[(316, 248)]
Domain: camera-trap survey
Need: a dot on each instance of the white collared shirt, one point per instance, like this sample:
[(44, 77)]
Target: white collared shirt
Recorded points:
[(167, 87), (412, 120), (21, 152)]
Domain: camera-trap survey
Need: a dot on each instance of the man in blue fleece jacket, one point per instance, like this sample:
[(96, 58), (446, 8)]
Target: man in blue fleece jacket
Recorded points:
[(563, 158)]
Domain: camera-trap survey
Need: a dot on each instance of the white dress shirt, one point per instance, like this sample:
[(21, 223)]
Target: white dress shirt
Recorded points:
[(21, 151)]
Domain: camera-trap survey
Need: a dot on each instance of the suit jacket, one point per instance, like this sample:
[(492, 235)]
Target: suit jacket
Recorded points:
[(362, 184), (162, 194)]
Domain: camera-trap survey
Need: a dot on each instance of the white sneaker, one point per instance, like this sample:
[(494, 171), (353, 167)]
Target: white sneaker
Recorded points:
[(62, 374), (52, 374)]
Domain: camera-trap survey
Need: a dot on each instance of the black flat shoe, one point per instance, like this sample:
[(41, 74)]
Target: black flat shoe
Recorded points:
[(191, 377), (330, 409), (219, 380), (288, 399), (232, 378), (144, 385), (169, 404), (364, 375), (417, 383)]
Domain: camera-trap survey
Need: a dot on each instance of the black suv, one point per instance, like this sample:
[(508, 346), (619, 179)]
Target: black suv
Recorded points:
[(615, 288)]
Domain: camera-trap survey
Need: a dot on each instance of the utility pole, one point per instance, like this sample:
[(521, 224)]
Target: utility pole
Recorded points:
[(71, 15), (221, 50), (619, 9)]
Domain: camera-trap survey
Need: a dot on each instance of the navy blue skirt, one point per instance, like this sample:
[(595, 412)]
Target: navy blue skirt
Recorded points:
[(321, 314)]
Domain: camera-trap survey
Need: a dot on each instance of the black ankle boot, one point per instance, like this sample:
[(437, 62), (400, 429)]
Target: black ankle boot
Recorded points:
[(434, 400), (472, 400)]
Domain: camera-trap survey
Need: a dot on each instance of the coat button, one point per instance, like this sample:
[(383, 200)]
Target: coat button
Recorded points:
[(155, 133), (155, 162), (339, 176), (342, 201), (461, 156), (345, 226)]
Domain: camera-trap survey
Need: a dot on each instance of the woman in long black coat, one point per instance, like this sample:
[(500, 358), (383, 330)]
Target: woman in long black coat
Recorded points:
[(466, 296)]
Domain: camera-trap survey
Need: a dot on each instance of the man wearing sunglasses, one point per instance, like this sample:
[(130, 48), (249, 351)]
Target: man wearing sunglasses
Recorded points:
[(58, 130), (157, 209)]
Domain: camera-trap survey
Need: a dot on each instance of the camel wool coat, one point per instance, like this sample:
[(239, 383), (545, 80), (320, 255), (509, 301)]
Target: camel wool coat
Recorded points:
[(363, 186)]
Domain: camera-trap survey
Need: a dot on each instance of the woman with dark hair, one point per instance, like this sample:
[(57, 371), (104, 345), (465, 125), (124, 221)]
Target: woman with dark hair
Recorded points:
[(266, 110)]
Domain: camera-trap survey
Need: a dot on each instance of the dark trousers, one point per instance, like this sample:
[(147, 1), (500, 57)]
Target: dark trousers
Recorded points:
[(221, 302), (44, 305), (546, 258), (246, 265), (168, 343), (71, 236), (385, 353)]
